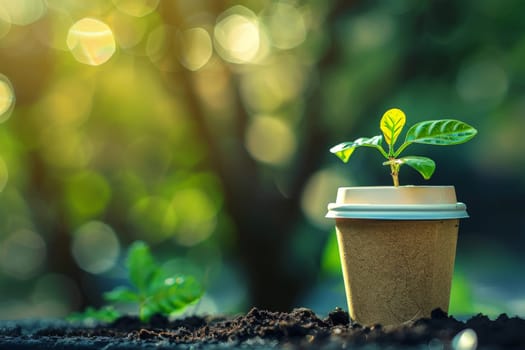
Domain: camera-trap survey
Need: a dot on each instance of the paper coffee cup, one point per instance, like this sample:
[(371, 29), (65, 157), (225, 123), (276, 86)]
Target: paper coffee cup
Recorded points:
[(397, 247)]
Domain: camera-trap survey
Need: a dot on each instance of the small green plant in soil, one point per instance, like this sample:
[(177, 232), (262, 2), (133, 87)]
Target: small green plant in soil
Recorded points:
[(443, 132), (152, 290)]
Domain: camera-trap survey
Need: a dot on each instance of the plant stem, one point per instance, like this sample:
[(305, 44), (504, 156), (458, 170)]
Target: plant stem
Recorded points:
[(394, 171)]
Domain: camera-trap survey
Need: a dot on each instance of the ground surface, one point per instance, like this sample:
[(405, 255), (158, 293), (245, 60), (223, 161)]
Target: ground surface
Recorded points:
[(259, 329)]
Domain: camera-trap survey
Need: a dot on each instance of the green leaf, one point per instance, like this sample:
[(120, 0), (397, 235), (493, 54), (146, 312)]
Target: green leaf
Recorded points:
[(344, 150), (425, 166), (146, 311), (186, 288), (122, 294), (104, 314), (141, 266), (391, 125), (440, 132), (174, 294)]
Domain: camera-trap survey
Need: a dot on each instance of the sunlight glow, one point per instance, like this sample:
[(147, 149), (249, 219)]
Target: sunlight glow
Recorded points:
[(270, 140), (95, 247), (23, 12), (136, 8), (196, 48), (286, 26), (237, 35), (91, 41), (7, 98)]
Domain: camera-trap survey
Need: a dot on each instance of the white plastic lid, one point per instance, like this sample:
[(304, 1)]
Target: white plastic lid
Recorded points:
[(397, 203)]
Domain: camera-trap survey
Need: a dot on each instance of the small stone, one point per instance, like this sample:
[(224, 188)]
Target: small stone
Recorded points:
[(438, 314), (338, 317), (502, 318), (467, 339)]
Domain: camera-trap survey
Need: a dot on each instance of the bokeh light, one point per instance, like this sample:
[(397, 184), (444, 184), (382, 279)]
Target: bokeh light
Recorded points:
[(95, 247), (237, 35), (157, 48), (5, 22), (129, 31), (153, 218), (218, 96), (87, 195), (67, 103), (270, 140), (7, 98), (60, 21), (370, 31), (91, 41), (197, 213), (22, 254), (270, 87), (196, 48), (320, 190), (483, 81), (136, 8), (23, 12), (286, 25)]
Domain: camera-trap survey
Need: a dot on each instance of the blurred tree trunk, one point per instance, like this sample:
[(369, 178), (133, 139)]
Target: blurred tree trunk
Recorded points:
[(264, 219)]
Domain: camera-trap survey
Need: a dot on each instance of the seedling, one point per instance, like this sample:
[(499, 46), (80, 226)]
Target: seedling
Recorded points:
[(153, 291), (443, 132)]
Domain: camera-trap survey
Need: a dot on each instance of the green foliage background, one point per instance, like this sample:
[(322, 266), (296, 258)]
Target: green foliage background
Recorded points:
[(225, 170)]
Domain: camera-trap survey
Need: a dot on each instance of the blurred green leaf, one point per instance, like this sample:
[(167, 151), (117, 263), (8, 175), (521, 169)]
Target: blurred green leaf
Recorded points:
[(331, 262), (122, 294), (104, 314), (141, 266), (461, 296), (174, 294), (156, 292)]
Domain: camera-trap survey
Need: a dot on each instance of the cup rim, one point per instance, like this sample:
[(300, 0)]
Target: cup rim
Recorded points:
[(397, 203)]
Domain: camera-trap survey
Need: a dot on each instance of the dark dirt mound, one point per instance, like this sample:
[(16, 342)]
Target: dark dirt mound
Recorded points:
[(260, 329)]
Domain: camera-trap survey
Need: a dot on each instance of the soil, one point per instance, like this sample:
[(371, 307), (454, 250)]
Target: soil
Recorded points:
[(260, 329)]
